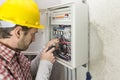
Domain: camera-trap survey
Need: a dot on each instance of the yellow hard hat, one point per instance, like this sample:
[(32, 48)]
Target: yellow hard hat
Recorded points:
[(21, 12)]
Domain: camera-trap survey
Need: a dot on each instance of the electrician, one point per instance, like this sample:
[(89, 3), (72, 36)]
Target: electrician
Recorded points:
[(19, 22)]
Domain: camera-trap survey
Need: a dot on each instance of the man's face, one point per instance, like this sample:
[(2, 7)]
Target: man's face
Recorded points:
[(27, 39)]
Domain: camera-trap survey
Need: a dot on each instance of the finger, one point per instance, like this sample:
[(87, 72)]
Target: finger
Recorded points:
[(57, 40), (51, 50), (53, 60), (52, 54), (45, 50)]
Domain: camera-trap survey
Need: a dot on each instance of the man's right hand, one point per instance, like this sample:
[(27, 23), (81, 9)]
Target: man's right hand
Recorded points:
[(48, 55)]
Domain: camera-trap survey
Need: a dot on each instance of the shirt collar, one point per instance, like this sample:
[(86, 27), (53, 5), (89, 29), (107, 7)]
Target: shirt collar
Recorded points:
[(6, 52)]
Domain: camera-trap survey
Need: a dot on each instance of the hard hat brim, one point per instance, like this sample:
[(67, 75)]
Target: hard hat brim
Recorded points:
[(7, 23), (39, 27)]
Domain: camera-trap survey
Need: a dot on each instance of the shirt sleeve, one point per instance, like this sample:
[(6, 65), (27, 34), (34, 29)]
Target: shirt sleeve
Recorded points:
[(34, 65), (4, 74), (44, 70)]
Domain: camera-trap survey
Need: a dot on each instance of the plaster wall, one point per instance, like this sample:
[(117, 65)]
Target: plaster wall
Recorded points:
[(105, 39)]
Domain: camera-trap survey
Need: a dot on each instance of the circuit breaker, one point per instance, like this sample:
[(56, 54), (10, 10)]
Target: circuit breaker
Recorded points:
[(69, 23)]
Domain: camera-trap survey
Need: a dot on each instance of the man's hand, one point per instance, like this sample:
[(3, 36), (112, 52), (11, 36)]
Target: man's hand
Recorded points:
[(53, 42), (47, 53)]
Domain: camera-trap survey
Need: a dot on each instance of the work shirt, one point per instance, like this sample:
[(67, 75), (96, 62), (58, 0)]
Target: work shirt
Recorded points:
[(13, 65), (42, 67)]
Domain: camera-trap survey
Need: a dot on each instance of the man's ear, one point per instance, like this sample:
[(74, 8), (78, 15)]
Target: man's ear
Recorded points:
[(18, 31)]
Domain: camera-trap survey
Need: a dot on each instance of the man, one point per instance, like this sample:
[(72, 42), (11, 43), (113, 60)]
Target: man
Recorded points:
[(19, 22)]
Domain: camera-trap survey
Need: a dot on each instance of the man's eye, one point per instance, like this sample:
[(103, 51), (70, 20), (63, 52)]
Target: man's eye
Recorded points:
[(33, 34)]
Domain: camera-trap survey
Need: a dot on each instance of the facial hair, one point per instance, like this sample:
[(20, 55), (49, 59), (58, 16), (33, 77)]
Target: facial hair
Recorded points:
[(23, 44)]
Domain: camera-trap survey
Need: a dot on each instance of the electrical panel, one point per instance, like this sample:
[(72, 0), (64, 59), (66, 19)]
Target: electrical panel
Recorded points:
[(69, 23)]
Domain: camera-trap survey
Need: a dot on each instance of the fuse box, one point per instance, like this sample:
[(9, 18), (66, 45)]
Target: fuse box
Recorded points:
[(69, 23)]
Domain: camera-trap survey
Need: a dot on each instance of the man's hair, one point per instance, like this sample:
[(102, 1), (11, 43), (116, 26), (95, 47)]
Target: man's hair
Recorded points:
[(5, 32)]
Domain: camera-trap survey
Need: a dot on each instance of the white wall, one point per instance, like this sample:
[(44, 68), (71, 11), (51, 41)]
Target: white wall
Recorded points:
[(1, 1), (66, 1), (105, 26), (43, 4)]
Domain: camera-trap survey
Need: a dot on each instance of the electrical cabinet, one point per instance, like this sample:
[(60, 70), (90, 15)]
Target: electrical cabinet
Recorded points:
[(69, 23)]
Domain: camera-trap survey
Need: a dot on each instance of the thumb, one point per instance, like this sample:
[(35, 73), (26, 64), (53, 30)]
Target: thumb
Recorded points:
[(45, 49)]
